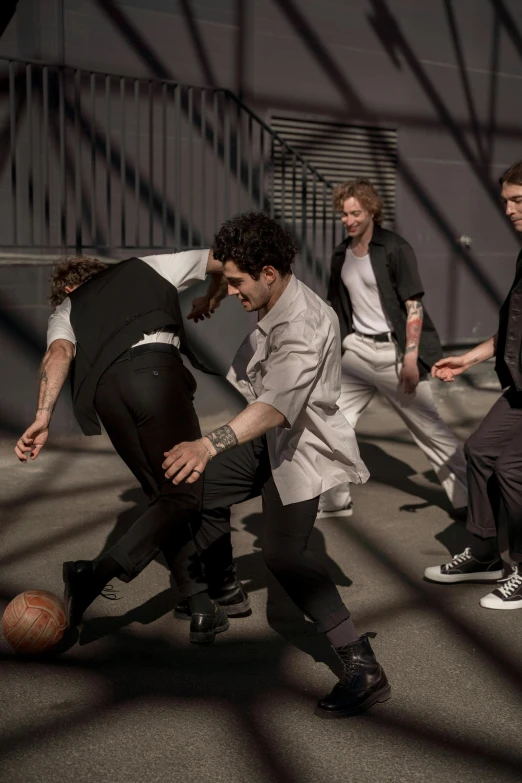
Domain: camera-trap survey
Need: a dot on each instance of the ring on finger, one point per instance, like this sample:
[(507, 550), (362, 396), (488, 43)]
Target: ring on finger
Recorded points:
[(196, 471)]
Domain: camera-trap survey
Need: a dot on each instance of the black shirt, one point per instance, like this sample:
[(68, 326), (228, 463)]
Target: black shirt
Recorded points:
[(508, 364), (395, 268)]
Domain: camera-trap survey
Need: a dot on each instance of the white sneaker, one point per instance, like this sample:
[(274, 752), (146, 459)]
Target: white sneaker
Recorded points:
[(347, 511), (508, 595)]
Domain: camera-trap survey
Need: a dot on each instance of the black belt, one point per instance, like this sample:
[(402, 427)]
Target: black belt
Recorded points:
[(136, 350), (381, 337)]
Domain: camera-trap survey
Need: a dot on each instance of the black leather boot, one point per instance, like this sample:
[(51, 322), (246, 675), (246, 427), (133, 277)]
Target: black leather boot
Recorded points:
[(82, 585), (362, 684), (231, 596), (204, 627)]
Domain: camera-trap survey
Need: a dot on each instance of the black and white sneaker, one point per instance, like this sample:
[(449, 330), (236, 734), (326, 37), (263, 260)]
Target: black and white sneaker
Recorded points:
[(508, 595), (464, 568)]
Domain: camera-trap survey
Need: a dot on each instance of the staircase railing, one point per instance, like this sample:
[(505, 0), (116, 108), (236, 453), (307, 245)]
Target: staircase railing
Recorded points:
[(92, 162)]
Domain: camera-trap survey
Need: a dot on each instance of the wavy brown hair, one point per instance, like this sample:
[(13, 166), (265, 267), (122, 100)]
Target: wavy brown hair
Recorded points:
[(71, 271), (364, 192), (512, 175)]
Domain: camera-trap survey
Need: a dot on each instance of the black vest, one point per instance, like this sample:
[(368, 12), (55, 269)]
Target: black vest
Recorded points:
[(110, 312)]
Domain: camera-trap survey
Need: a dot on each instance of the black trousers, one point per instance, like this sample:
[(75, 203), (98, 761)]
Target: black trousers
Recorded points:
[(243, 473), (494, 457), (145, 404)]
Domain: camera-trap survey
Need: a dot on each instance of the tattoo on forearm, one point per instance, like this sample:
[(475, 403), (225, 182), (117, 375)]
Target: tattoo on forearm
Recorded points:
[(413, 324), (44, 409), (223, 438), (43, 376)]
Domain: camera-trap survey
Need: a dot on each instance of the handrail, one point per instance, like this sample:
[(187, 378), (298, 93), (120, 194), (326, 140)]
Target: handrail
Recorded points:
[(173, 83)]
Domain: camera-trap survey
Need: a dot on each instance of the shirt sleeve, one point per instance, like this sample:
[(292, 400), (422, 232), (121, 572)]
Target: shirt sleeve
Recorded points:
[(407, 278), (59, 326), (181, 269), (292, 369)]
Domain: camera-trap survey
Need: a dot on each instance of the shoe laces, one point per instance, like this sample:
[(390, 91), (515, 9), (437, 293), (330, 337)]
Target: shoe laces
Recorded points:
[(459, 559), (110, 593), (512, 584), (347, 656)]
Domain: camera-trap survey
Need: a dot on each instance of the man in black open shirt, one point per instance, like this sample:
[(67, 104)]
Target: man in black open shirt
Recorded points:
[(389, 341), (494, 451)]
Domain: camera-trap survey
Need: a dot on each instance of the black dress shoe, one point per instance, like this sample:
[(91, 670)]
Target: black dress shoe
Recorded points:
[(81, 588), (204, 627), (231, 597), (362, 684)]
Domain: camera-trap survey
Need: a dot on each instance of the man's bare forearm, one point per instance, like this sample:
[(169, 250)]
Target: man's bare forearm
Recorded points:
[(414, 320), (218, 288), (53, 373), (482, 352), (254, 421)]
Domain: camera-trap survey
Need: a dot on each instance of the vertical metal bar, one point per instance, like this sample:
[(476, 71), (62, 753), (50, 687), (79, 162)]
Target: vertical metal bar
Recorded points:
[(63, 180), (203, 111), (123, 163), (303, 221), (227, 167), (294, 189), (283, 184), (137, 168), (215, 161), (44, 151), (190, 179), (272, 176), (325, 260), (30, 157), (164, 167), (239, 131), (94, 195), (151, 163), (314, 231), (250, 162), (261, 166), (177, 124), (108, 158), (77, 163), (12, 140)]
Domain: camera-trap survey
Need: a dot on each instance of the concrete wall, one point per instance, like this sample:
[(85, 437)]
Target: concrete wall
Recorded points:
[(446, 74)]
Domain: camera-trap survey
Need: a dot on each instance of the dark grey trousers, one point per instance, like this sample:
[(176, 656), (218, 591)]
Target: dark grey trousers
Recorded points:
[(145, 404), (494, 457), (243, 473)]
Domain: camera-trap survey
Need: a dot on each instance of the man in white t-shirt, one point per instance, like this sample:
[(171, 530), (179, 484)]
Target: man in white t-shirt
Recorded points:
[(388, 339), (121, 331)]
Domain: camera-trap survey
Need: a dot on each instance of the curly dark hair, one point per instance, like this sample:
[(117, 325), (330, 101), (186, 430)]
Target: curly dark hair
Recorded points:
[(71, 271), (252, 241)]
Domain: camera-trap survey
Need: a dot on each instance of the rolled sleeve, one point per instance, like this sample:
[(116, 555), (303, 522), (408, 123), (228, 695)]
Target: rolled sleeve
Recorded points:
[(59, 326), (290, 373), (181, 269), (408, 280)]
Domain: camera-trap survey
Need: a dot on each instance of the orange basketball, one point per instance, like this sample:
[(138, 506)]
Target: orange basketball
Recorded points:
[(34, 621)]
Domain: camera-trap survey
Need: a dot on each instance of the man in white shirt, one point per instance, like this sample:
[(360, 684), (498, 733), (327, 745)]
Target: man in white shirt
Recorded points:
[(290, 444), (389, 342), (121, 330)]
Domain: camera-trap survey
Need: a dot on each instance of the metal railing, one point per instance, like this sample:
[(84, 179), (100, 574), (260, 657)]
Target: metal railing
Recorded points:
[(97, 162)]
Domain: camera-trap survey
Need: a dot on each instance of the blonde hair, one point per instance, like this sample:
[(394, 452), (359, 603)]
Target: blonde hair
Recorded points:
[(364, 192)]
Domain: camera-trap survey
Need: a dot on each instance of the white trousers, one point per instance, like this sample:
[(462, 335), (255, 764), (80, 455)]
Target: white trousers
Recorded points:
[(369, 367)]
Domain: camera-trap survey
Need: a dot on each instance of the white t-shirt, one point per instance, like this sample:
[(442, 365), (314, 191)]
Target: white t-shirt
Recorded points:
[(367, 311), (180, 269)]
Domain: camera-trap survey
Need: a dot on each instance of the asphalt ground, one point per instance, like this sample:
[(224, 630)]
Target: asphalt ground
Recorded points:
[(133, 701)]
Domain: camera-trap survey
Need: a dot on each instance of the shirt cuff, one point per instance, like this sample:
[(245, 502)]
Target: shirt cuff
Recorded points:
[(282, 403)]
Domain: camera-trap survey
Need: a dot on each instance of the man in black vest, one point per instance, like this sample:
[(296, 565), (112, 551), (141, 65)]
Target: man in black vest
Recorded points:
[(494, 451), (389, 342), (121, 329)]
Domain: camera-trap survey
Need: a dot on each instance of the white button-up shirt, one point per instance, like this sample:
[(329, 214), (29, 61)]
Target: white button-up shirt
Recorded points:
[(292, 361)]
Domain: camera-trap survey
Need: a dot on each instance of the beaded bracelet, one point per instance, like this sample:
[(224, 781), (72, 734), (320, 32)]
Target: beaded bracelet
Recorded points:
[(211, 456)]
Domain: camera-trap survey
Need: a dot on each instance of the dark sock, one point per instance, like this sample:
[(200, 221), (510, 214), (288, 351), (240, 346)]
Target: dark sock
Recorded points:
[(485, 550), (343, 634), (201, 604), (105, 569)]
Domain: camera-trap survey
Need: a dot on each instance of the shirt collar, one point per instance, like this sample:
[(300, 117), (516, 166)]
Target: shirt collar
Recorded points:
[(282, 304)]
